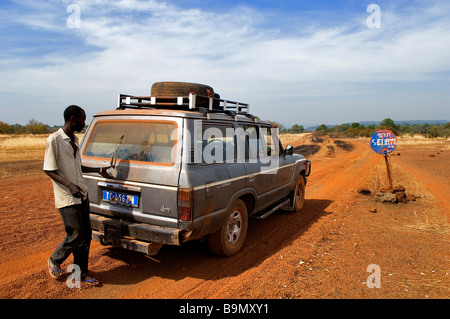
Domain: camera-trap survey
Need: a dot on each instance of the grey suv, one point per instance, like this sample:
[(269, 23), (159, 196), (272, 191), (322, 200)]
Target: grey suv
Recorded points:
[(186, 165)]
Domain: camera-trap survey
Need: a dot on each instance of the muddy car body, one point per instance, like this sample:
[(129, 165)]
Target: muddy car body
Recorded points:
[(185, 169)]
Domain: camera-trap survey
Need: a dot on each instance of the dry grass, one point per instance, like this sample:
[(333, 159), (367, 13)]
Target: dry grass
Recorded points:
[(379, 179), (423, 142), (426, 223), (423, 219), (22, 142), (23, 147), (15, 156)]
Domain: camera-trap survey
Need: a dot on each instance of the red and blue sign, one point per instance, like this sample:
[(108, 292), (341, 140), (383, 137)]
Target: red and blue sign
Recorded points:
[(383, 142)]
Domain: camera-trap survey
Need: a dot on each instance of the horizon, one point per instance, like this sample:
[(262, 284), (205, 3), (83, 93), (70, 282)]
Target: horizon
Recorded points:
[(294, 62), (306, 127)]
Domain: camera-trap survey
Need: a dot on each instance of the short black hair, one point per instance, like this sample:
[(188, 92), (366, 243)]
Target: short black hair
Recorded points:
[(72, 110)]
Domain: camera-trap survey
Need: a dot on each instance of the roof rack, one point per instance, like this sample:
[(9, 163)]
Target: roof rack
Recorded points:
[(216, 105)]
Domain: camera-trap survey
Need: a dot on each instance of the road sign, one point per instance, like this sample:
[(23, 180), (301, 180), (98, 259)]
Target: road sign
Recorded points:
[(383, 142)]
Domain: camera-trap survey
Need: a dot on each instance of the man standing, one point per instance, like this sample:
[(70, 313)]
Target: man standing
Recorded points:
[(62, 163)]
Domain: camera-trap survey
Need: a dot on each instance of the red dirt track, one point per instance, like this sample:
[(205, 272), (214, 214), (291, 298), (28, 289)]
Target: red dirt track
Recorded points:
[(322, 252)]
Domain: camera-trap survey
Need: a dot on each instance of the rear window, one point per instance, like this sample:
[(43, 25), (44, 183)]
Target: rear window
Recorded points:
[(133, 141)]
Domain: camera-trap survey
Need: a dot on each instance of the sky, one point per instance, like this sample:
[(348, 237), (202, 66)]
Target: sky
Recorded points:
[(295, 62)]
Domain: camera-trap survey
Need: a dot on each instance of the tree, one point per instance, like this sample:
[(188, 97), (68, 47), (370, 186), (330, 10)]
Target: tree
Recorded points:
[(446, 130), (390, 125), (297, 129), (355, 130), (322, 129), (35, 127), (432, 132), (5, 128)]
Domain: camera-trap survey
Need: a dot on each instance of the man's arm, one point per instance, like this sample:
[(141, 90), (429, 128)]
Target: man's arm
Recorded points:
[(100, 170)]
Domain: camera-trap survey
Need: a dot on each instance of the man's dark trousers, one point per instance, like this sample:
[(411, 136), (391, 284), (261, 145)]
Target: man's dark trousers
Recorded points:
[(78, 236)]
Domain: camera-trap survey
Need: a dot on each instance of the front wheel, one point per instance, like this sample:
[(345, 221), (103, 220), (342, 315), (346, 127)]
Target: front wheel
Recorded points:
[(299, 194), (228, 240)]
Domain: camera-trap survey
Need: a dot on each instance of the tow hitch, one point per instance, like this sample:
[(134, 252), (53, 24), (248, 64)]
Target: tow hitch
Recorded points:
[(111, 233)]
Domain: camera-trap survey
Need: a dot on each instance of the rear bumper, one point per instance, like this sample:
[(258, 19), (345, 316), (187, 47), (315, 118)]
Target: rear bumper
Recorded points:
[(130, 244), (133, 236)]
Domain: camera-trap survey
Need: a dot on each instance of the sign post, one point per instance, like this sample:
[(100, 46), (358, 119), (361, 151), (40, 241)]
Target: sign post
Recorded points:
[(388, 168), (384, 142)]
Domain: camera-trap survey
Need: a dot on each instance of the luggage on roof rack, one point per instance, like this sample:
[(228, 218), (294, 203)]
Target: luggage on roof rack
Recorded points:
[(161, 99)]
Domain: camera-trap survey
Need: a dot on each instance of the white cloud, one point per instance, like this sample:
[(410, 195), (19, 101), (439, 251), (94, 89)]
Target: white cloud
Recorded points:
[(138, 43)]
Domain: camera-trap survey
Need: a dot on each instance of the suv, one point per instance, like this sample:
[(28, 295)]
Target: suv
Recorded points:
[(186, 164)]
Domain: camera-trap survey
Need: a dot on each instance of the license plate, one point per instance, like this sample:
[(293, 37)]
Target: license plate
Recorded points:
[(119, 198)]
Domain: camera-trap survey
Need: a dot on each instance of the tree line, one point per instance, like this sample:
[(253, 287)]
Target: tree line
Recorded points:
[(32, 127), (360, 130)]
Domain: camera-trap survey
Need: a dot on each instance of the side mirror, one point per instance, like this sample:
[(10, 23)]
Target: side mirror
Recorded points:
[(289, 150)]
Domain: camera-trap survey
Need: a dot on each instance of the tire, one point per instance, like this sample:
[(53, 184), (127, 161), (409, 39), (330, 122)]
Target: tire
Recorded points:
[(228, 240), (175, 89), (299, 194)]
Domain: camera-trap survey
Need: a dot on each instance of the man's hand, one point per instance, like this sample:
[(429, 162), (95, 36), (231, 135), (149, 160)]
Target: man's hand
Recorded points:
[(76, 190), (104, 173)]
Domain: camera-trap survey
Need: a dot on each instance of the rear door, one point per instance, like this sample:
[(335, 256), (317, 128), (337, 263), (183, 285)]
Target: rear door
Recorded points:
[(218, 175)]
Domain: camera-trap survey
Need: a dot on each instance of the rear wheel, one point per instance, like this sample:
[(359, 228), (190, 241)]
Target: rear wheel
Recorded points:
[(299, 194), (228, 240)]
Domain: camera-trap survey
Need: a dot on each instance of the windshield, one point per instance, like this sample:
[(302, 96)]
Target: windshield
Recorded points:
[(133, 141)]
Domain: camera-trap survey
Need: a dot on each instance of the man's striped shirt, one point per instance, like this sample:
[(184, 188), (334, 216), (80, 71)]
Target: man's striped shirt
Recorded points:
[(60, 157)]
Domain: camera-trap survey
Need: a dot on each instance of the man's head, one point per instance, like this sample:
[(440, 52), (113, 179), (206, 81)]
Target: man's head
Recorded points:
[(76, 116)]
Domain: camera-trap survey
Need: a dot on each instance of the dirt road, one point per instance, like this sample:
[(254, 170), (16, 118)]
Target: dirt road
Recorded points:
[(323, 252)]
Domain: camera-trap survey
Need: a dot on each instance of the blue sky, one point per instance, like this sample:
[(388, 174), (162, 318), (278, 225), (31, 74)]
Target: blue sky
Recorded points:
[(295, 62)]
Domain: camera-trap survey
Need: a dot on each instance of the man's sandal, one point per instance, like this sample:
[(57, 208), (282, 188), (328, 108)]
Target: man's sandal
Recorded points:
[(53, 269), (90, 281)]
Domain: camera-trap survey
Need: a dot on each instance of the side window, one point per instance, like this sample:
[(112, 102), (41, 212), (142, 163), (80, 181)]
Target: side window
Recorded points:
[(218, 143), (273, 144), (267, 137), (248, 136)]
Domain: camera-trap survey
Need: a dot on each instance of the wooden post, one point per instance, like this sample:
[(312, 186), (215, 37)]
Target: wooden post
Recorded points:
[(388, 168)]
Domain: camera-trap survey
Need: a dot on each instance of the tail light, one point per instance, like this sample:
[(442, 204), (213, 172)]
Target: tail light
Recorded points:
[(308, 168), (185, 204)]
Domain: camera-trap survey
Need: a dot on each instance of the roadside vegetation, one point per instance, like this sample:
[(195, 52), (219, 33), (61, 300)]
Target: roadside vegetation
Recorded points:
[(32, 127), (360, 130)]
